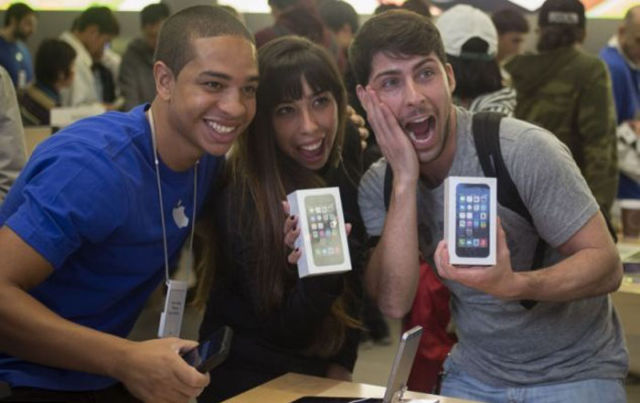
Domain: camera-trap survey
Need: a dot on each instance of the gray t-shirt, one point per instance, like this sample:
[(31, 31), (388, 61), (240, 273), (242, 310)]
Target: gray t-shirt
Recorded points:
[(501, 342)]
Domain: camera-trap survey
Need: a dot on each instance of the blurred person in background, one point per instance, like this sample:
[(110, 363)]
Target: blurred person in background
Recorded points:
[(342, 19), (622, 55), (20, 22), (568, 92), (512, 28), (136, 70), (470, 42), (385, 7), (90, 34), (421, 7), (300, 17), (54, 71)]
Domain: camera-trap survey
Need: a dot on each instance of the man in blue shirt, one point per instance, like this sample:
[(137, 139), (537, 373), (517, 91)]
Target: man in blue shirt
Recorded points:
[(622, 56), (83, 227), (20, 22)]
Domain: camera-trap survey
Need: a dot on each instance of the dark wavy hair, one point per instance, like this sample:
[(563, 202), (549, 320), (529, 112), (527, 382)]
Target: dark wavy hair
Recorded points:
[(154, 13), (53, 58), (17, 11), (102, 17), (475, 76), (397, 33), (510, 20)]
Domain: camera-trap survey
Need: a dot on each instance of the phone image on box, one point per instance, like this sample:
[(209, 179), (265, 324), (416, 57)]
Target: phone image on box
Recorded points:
[(322, 219), (472, 220), (211, 352)]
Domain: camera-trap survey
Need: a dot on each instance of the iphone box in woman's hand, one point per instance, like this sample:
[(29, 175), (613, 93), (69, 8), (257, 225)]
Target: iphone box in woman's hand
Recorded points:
[(323, 238), (470, 220)]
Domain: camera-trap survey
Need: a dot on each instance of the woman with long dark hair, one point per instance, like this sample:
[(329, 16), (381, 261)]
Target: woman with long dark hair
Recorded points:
[(281, 323)]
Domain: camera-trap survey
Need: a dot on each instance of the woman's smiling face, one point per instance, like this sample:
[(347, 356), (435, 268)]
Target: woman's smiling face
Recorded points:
[(306, 128)]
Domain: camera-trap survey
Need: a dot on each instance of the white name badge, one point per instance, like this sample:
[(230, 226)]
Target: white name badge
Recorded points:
[(171, 318)]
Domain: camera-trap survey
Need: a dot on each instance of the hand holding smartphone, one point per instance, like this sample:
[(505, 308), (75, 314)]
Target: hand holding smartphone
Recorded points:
[(323, 237), (473, 215), (211, 352), (470, 220)]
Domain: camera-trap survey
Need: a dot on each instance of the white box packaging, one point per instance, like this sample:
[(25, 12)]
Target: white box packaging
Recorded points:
[(323, 238), (470, 220)]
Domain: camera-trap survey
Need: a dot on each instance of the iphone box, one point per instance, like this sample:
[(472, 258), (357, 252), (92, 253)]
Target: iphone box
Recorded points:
[(323, 238), (470, 220)]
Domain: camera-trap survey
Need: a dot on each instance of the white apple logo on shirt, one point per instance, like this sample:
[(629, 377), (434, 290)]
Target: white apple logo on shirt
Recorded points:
[(179, 217)]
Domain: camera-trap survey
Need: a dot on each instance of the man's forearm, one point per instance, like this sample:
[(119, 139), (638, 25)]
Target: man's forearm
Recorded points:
[(393, 268), (587, 273), (32, 332)]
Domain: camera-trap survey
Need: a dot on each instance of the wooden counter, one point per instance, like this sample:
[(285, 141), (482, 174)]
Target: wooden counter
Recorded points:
[(292, 386)]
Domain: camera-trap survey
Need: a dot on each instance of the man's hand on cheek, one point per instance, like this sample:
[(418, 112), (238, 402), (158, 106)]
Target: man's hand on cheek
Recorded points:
[(393, 142)]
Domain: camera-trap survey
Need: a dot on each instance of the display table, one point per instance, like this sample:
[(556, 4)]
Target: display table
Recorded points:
[(292, 386)]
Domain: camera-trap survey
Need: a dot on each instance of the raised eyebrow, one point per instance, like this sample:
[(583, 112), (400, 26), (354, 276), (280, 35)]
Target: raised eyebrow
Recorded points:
[(215, 74), (386, 73), (320, 92), (226, 77), (423, 62)]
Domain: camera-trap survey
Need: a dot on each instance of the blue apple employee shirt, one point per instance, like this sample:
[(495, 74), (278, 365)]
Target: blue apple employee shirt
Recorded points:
[(87, 201), (16, 59)]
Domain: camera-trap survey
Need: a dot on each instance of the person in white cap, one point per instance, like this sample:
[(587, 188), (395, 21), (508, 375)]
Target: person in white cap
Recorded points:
[(471, 41)]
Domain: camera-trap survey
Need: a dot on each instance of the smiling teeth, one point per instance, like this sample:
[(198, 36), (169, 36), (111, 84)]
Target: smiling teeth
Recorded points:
[(220, 128), (312, 147), (420, 120)]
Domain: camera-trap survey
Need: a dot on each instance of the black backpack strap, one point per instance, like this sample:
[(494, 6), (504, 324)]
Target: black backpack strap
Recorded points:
[(486, 135), (388, 184)]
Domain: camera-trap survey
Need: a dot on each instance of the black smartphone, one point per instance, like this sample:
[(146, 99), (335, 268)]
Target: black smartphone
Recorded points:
[(473, 218), (326, 241), (211, 352)]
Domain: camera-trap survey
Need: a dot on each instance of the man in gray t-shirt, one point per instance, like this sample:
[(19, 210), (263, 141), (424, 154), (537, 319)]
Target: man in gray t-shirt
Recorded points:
[(569, 346)]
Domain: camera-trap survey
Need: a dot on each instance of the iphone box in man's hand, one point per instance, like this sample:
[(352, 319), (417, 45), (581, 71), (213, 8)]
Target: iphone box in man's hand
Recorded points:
[(323, 238), (470, 220)]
